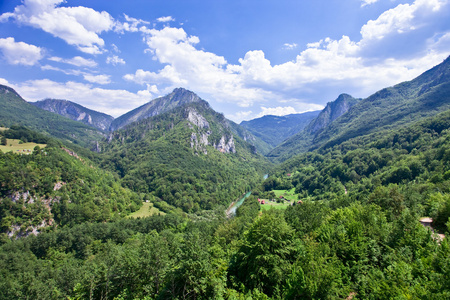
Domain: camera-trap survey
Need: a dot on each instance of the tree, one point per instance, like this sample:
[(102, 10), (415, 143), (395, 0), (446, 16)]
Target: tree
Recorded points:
[(264, 259), (4, 141)]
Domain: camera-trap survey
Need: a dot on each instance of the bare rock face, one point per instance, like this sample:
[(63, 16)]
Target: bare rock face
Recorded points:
[(200, 138), (226, 145), (197, 119)]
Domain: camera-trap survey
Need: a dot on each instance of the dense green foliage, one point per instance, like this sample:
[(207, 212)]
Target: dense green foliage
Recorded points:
[(51, 187)]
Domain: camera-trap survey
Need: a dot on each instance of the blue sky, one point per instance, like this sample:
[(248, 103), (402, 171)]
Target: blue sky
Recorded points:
[(247, 58)]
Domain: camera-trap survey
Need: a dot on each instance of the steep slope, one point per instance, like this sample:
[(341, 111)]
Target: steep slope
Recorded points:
[(15, 110), (188, 157), (76, 112), (155, 107), (275, 129), (303, 140)]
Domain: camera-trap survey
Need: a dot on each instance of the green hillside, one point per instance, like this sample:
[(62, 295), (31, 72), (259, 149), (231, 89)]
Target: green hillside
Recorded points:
[(16, 111), (54, 186)]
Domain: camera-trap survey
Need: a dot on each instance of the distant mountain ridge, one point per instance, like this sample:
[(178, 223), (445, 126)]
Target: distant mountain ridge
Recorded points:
[(14, 110), (179, 96), (76, 112), (301, 141), (390, 108), (275, 129)]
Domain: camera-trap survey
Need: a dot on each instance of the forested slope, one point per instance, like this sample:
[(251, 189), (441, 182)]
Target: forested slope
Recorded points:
[(53, 186), (188, 157)]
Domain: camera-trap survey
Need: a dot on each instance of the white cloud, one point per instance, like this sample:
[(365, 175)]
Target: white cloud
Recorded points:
[(277, 111), (20, 53), (165, 19), (403, 18), (319, 73), (288, 46), (4, 81), (115, 60), (75, 61), (112, 102), (368, 2), (78, 26), (130, 24), (100, 79)]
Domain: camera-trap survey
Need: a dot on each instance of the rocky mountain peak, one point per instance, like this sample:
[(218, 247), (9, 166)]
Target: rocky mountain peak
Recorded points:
[(177, 97), (6, 90), (331, 112)]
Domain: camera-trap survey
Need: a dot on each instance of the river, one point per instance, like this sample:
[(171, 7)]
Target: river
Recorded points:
[(231, 211)]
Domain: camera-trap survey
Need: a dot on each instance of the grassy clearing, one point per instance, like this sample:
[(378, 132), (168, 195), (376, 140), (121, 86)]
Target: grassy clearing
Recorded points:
[(146, 210), (13, 145), (287, 194), (268, 205)]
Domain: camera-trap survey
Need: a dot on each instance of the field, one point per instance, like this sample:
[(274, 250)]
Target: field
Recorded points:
[(287, 194), (270, 204), (146, 210), (13, 145)]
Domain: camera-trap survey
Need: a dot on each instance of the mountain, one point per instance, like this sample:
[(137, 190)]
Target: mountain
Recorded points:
[(14, 110), (301, 141), (275, 129), (76, 112), (188, 156), (390, 108), (331, 112), (155, 107)]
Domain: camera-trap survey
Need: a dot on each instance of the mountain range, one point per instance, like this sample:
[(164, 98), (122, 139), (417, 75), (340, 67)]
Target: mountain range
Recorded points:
[(275, 129), (143, 216), (390, 108), (76, 112)]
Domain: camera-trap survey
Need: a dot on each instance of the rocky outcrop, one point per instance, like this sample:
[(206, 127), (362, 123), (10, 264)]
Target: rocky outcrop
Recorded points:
[(200, 136), (26, 198), (226, 145)]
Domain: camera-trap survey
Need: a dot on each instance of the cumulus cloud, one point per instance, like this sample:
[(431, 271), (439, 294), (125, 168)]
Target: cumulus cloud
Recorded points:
[(165, 19), (130, 24), (100, 79), (98, 99), (368, 2), (319, 73), (288, 46), (20, 53), (115, 60), (78, 26), (277, 111), (75, 61)]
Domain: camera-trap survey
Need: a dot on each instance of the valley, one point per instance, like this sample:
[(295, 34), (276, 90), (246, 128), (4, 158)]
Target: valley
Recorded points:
[(138, 207)]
